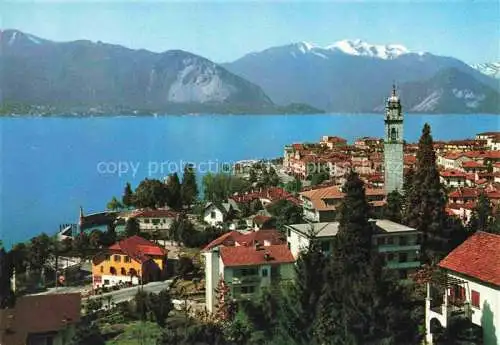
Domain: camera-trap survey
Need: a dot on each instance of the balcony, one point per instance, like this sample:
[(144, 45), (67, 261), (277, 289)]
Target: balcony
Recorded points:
[(246, 279), (387, 248), (403, 265)]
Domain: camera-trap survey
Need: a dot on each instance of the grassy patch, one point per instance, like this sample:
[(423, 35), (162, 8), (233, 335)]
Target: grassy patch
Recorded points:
[(134, 331)]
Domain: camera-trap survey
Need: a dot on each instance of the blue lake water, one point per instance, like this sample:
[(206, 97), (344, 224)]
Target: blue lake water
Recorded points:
[(51, 166)]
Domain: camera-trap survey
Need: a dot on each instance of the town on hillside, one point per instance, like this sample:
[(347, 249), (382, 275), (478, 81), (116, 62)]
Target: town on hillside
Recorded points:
[(380, 241)]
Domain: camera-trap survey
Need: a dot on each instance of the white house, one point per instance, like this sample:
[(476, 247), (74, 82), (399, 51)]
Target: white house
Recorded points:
[(470, 288), (246, 270), (152, 220), (399, 244), (216, 214)]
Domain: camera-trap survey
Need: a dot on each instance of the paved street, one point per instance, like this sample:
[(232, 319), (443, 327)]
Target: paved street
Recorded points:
[(128, 293)]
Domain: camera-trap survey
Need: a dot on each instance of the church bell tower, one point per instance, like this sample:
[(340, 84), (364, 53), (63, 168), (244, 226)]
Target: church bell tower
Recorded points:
[(393, 144)]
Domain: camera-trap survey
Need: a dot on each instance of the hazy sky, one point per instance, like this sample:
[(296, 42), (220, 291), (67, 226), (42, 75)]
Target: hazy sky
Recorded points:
[(223, 30)]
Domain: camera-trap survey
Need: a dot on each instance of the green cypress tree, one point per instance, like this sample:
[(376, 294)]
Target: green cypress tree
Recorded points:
[(394, 207), (354, 236), (174, 192), (189, 188), (482, 215), (298, 307), (426, 200), (128, 196)]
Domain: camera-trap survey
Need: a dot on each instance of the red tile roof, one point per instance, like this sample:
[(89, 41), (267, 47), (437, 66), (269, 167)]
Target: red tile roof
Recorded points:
[(464, 193), (38, 314), (155, 214), (227, 239), (138, 248), (472, 164), (452, 173), (272, 236), (250, 256), (477, 257)]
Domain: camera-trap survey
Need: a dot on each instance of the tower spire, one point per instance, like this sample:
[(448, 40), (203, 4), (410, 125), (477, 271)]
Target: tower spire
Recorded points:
[(394, 89)]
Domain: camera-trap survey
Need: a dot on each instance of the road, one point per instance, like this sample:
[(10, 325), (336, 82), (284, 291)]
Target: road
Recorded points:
[(128, 294)]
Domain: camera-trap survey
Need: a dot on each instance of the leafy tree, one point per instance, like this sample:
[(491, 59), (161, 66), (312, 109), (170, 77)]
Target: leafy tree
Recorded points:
[(39, 251), (95, 239), (189, 188), (81, 245), (482, 215), (393, 210), (114, 204), (274, 179), (128, 196), (184, 266), (319, 178), (6, 272), (285, 212), (151, 193), (132, 227), (294, 186), (87, 333), (426, 200), (174, 192), (161, 306), (218, 187), (252, 178)]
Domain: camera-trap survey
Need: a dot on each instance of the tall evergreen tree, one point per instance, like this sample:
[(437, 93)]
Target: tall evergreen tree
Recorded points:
[(132, 227), (298, 307), (174, 192), (189, 188), (394, 207), (354, 236), (426, 200), (128, 196), (482, 215)]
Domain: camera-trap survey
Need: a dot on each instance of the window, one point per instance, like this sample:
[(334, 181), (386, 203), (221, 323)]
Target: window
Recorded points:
[(390, 240), (288, 244), (264, 272), (212, 214), (146, 221), (247, 289), (108, 258), (380, 241), (390, 257), (155, 221), (117, 258), (123, 271), (289, 232), (475, 299), (403, 257), (106, 281), (126, 259), (112, 270), (102, 269), (403, 241), (325, 246)]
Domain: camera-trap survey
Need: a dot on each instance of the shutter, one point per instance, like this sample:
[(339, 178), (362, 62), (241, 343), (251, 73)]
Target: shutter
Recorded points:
[(475, 299)]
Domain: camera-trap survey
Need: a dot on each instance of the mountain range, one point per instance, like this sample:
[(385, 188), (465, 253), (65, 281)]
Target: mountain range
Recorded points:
[(355, 76), (347, 76)]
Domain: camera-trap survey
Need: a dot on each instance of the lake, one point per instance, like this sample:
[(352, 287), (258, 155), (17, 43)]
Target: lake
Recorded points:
[(52, 166)]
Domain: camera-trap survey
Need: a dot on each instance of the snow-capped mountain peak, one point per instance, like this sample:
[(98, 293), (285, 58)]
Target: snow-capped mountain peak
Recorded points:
[(361, 48), (491, 69)]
